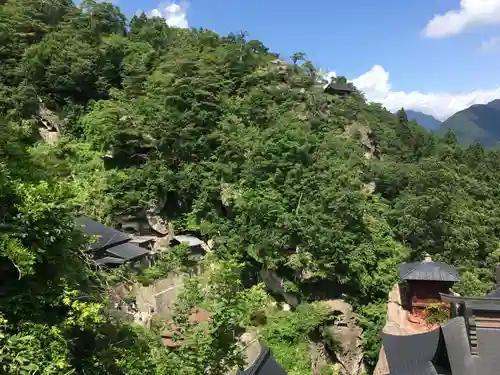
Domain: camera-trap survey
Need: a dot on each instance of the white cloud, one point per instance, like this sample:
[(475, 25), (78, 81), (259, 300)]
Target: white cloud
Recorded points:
[(471, 13), (329, 75), (375, 84), (175, 14), (326, 75), (491, 45)]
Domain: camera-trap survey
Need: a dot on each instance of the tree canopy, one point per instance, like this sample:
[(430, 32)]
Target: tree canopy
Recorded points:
[(244, 148)]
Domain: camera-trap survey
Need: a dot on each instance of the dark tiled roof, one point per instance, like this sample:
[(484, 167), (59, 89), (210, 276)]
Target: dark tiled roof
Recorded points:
[(127, 251), (339, 86), (429, 271), (457, 346), (106, 236), (419, 354), (468, 343), (494, 294), (111, 246), (413, 354), (109, 260), (487, 302), (264, 365), (487, 359)]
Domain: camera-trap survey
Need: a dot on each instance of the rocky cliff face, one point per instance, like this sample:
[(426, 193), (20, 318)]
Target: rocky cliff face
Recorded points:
[(50, 123), (277, 285), (349, 354)]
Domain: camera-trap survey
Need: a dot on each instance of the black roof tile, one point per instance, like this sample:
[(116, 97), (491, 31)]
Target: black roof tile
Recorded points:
[(488, 358), (106, 236), (422, 354), (494, 294), (114, 244), (109, 260), (264, 365), (412, 354), (428, 271), (339, 86), (127, 251)]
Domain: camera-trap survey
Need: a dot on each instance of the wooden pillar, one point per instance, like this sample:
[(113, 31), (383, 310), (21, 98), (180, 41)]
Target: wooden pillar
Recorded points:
[(409, 296)]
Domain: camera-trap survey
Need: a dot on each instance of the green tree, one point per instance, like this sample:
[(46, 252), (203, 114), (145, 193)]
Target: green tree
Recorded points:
[(244, 150), (298, 56), (450, 138), (402, 117)]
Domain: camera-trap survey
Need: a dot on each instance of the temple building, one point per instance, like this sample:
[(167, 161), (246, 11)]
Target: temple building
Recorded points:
[(339, 86), (111, 247), (467, 344), (423, 282)]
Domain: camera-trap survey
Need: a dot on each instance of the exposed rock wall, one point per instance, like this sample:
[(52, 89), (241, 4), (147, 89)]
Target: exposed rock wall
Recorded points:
[(145, 222), (365, 136), (349, 335), (319, 358), (50, 128), (140, 303), (159, 297), (277, 285)]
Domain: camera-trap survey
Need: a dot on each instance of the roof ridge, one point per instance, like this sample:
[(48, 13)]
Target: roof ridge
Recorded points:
[(264, 354)]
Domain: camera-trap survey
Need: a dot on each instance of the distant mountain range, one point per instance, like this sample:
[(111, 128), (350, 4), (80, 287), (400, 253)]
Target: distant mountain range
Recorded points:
[(427, 121), (478, 123)]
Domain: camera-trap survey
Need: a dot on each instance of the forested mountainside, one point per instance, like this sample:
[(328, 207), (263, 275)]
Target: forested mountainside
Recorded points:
[(104, 117), (427, 121), (478, 123)]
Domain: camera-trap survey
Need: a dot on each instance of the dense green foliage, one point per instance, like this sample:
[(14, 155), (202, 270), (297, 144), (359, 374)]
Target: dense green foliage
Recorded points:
[(436, 313), (288, 335), (247, 150), (477, 123)]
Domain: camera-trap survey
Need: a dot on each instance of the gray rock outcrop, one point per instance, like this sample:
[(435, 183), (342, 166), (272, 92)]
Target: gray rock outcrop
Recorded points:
[(348, 334), (277, 285), (50, 123)]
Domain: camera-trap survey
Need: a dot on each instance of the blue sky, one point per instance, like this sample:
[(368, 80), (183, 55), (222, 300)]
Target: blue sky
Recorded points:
[(437, 56)]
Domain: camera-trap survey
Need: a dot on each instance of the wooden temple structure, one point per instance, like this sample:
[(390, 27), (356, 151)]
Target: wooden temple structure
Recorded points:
[(422, 283), (467, 344)]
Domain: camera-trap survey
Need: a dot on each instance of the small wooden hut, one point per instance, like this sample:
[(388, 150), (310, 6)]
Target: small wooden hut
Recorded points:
[(424, 282)]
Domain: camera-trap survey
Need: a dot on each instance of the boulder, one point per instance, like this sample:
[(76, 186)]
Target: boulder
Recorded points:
[(157, 223), (319, 358), (49, 136), (277, 285), (348, 334), (370, 187)]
